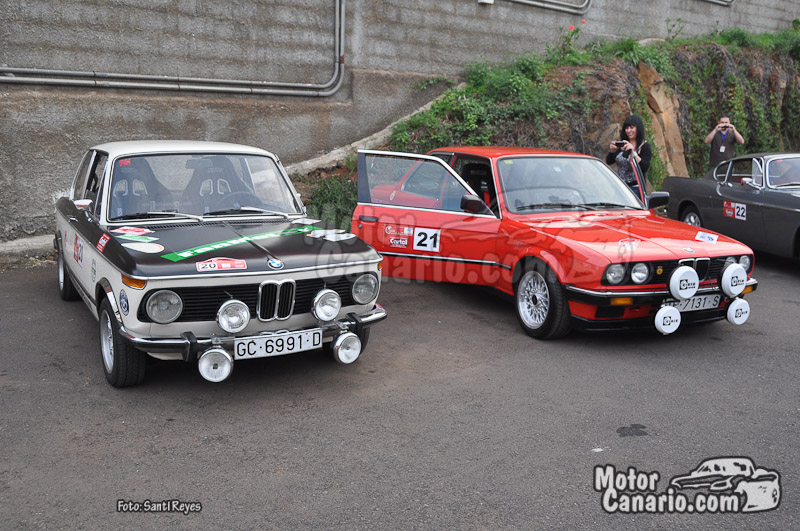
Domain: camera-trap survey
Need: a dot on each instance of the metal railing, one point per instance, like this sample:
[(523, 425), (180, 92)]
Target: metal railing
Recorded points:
[(72, 78), (727, 3)]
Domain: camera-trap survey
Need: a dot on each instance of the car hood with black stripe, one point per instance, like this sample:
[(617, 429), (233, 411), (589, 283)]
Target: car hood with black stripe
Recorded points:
[(202, 247)]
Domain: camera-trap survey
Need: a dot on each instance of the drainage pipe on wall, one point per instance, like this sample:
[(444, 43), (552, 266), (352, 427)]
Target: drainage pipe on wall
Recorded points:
[(557, 6), (190, 84)]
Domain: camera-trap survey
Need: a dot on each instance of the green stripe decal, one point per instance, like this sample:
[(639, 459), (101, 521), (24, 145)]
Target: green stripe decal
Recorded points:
[(197, 251)]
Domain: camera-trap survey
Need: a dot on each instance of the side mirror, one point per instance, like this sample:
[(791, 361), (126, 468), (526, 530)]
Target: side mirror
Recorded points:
[(657, 199), (472, 204), (83, 204)]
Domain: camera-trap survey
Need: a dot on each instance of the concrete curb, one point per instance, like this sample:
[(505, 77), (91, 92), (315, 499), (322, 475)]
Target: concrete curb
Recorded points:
[(26, 251)]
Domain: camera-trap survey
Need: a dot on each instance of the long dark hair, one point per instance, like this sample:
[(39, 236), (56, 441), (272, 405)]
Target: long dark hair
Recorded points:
[(633, 119)]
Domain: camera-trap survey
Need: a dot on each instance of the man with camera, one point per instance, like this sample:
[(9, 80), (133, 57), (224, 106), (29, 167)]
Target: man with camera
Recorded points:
[(723, 139)]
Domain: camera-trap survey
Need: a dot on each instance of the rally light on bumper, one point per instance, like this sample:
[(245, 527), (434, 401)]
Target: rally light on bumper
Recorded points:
[(346, 348), (668, 319), (215, 365), (738, 311)]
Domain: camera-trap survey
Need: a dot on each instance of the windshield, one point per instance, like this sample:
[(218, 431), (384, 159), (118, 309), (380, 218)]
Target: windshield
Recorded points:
[(532, 185), (784, 172), (198, 185)]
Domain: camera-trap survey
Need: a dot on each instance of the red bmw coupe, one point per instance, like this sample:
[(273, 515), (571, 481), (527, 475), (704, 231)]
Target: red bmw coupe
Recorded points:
[(558, 231)]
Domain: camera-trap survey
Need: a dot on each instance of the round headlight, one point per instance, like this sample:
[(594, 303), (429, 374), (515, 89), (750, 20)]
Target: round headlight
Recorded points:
[(639, 273), (326, 305), (615, 273), (215, 365), (745, 262), (233, 316), (365, 288), (164, 306), (728, 261)]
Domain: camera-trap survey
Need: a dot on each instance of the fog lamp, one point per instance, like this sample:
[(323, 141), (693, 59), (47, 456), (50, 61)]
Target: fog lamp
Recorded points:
[(233, 316), (215, 365), (346, 348), (326, 305)]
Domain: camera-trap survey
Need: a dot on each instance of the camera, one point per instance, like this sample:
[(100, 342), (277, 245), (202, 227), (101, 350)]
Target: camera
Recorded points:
[(619, 143), (724, 127)]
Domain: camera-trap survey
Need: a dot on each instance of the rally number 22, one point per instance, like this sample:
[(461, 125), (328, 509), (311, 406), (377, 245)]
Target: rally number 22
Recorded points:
[(426, 239)]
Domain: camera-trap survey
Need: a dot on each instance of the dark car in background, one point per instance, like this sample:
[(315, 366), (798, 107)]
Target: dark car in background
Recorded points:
[(753, 198)]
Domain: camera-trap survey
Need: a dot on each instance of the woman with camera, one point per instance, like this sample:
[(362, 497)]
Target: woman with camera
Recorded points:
[(723, 139), (630, 145)]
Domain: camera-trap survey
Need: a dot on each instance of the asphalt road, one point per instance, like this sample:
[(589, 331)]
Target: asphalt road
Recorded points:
[(452, 419)]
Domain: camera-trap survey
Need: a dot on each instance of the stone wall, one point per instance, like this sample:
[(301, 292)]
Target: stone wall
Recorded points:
[(390, 46)]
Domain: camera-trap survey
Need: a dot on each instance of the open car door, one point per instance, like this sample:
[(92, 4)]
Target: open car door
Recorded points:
[(644, 185), (424, 219)]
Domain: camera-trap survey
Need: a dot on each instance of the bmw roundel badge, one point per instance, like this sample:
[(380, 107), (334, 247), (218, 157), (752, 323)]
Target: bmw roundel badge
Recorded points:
[(123, 302), (275, 264)]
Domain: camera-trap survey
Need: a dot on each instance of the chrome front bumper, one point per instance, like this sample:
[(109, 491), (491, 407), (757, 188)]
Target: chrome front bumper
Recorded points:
[(188, 345)]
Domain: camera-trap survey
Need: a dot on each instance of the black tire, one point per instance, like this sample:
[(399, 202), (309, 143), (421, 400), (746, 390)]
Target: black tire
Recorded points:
[(123, 364), (65, 286), (541, 303), (691, 216)]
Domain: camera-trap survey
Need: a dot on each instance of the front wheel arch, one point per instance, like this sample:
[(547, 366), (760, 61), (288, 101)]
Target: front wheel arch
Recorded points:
[(689, 207)]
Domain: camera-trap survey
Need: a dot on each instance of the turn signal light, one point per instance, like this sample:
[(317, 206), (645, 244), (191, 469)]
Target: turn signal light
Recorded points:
[(622, 301), (133, 282)]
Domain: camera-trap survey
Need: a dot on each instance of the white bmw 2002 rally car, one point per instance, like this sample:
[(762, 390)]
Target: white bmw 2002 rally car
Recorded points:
[(203, 252)]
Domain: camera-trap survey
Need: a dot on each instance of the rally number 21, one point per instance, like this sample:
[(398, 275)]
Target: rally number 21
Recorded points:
[(426, 239)]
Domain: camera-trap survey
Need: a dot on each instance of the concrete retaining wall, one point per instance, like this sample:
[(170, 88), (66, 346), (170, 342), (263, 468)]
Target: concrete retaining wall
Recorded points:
[(390, 47)]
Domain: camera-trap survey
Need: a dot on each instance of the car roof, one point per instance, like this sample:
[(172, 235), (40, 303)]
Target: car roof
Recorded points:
[(140, 147), (500, 151), (768, 155)]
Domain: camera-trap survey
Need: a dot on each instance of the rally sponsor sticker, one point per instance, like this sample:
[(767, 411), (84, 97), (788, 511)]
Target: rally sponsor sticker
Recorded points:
[(706, 237), (101, 243), (331, 235), (395, 230), (131, 230), (142, 247), (398, 241), (77, 250), (734, 210), (305, 221), (220, 264), (426, 239), (137, 238)]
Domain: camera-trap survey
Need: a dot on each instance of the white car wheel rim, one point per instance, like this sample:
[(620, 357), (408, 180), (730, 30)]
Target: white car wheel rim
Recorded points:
[(107, 341), (692, 219), (533, 299)]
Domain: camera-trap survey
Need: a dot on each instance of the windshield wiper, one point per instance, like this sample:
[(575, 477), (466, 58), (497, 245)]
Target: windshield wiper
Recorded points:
[(156, 214), (555, 205), (252, 209), (610, 205)]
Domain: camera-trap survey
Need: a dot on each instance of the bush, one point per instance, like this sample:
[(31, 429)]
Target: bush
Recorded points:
[(334, 201)]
